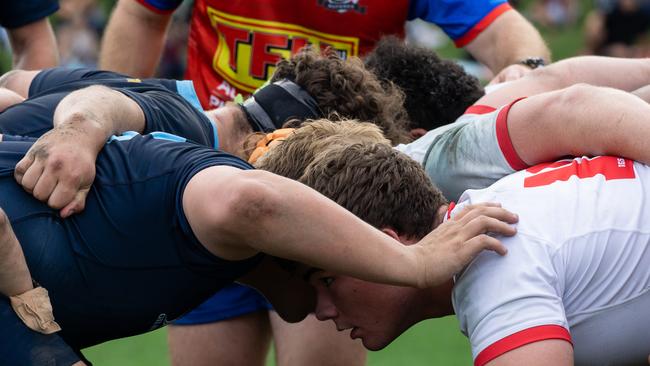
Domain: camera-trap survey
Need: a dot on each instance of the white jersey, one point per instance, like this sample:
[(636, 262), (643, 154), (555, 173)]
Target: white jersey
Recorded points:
[(473, 152), (578, 268)]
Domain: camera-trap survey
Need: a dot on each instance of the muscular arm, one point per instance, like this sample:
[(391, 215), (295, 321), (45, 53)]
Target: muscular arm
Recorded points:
[(237, 214), (509, 39), (60, 167), (133, 40), (548, 352), (620, 73), (34, 46), (580, 120), (100, 112)]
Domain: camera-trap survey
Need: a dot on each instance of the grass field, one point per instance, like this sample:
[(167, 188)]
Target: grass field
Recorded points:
[(434, 342)]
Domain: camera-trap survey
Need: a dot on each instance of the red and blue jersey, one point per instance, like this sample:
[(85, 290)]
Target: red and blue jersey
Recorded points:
[(234, 45)]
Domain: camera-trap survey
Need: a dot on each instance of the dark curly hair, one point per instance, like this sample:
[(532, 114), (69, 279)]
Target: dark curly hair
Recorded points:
[(346, 89), (437, 91)]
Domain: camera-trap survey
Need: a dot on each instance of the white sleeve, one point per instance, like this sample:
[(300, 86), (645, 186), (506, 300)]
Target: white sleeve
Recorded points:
[(473, 154), (505, 302), (417, 149)]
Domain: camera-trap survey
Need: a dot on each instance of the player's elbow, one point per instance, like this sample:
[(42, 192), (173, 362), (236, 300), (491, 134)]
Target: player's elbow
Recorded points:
[(252, 201)]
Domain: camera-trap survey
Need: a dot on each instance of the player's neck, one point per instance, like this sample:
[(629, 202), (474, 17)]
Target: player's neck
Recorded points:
[(437, 301), (231, 137)]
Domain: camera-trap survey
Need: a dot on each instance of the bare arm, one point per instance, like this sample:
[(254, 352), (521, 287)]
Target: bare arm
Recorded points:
[(34, 46), (8, 98), (237, 214), (18, 81), (580, 120), (14, 274), (619, 73), (60, 167), (133, 40), (509, 39), (549, 352)]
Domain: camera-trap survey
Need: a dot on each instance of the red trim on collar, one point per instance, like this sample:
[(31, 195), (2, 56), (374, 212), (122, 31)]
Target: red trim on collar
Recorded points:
[(452, 205)]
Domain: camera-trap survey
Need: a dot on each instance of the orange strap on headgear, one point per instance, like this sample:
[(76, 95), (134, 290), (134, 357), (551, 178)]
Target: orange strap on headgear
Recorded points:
[(264, 144)]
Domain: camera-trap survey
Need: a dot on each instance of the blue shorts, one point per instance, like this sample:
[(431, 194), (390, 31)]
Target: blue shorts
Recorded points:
[(23, 346), (230, 302)]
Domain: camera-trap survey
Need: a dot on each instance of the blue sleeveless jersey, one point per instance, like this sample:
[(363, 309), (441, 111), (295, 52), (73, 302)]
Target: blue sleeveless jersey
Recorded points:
[(129, 262), (168, 105)]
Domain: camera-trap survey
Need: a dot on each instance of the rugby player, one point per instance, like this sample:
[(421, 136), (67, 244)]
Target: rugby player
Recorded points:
[(168, 223), (572, 290), (335, 85)]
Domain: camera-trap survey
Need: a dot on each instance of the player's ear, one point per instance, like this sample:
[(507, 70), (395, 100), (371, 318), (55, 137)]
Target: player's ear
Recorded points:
[(395, 235), (390, 232)]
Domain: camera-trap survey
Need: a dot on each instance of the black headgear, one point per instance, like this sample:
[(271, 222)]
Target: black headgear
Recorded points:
[(273, 105)]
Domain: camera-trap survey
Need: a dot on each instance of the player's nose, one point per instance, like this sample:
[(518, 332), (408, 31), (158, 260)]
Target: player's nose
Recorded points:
[(325, 308)]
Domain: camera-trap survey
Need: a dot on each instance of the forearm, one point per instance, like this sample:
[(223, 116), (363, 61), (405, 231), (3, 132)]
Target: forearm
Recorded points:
[(133, 40), (580, 120), (34, 46), (15, 278), (508, 40), (98, 112), (281, 217), (620, 73)]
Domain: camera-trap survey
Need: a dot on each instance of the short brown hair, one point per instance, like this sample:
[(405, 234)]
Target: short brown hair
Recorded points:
[(293, 155), (369, 178), (345, 88)]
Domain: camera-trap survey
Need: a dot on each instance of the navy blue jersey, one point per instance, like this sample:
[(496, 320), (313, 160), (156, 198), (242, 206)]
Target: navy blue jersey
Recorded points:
[(14, 14), (129, 262), (168, 105)]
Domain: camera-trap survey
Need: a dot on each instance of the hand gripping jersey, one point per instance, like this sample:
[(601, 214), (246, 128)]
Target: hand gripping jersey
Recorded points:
[(577, 270), (128, 263), (235, 44)]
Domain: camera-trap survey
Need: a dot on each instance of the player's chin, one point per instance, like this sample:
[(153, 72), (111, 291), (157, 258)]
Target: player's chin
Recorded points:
[(375, 343)]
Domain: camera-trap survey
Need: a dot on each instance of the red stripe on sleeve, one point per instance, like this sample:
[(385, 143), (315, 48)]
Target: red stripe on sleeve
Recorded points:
[(153, 8), (524, 337), (480, 26), (451, 207), (505, 143), (479, 109)]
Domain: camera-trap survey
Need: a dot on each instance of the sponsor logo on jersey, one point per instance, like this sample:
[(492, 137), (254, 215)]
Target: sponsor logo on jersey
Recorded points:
[(248, 49), (342, 6), (161, 321)]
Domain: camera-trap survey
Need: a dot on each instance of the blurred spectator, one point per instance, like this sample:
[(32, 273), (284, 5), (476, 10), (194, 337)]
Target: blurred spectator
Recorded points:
[(29, 32), (78, 27), (619, 28), (555, 13)]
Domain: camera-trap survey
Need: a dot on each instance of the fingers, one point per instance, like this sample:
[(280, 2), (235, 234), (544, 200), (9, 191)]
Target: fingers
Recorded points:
[(468, 208), (482, 242), (485, 224), (76, 205), (22, 167), (31, 176), (490, 210)]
